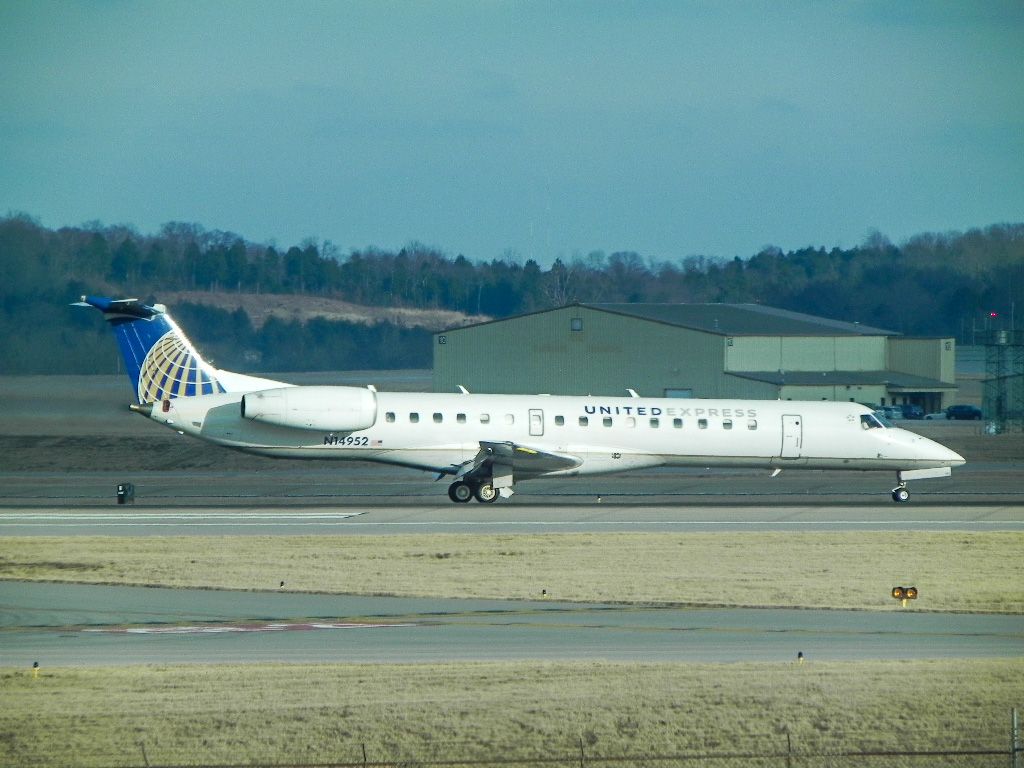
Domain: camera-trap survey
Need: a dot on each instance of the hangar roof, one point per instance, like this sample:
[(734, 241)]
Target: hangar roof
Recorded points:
[(741, 320)]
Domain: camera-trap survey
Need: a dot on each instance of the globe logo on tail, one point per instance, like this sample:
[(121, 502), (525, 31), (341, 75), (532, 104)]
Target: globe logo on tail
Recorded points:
[(173, 369)]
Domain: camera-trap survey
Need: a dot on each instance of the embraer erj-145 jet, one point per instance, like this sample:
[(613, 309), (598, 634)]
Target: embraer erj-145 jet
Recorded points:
[(488, 443)]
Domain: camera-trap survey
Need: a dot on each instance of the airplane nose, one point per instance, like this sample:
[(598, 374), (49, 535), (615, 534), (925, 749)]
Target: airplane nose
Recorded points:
[(939, 452), (925, 450), (955, 459)]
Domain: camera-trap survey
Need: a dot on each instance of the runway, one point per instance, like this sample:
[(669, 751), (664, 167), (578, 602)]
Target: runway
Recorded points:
[(383, 518), (71, 625)]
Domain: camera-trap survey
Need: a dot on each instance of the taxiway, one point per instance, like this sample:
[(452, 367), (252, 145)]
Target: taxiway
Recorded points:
[(72, 625)]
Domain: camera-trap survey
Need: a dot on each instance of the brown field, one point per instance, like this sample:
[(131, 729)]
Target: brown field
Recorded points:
[(279, 714), (954, 571)]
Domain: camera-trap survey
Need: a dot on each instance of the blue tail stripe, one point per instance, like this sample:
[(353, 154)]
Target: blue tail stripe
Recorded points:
[(162, 380), (177, 370), (159, 359)]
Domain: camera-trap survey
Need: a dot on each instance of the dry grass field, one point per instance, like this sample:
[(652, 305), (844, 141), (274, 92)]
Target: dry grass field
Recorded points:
[(276, 714), (954, 571)]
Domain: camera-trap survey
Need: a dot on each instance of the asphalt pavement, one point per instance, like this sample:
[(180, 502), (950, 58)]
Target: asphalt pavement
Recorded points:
[(71, 625)]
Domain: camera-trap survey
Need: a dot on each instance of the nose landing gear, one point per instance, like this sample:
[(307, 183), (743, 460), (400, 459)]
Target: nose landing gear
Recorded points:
[(900, 493)]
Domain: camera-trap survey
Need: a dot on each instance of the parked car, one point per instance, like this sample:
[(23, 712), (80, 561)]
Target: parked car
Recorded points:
[(963, 412), (913, 412), (888, 413)]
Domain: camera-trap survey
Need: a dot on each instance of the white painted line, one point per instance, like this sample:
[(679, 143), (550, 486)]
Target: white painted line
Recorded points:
[(177, 515), (565, 523), (232, 628), (255, 520), (170, 525)]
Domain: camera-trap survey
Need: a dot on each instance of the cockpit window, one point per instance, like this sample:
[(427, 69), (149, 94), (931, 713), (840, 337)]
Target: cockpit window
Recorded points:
[(870, 421)]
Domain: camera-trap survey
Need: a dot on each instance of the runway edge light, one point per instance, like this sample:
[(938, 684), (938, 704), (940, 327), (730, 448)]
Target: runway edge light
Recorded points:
[(903, 594)]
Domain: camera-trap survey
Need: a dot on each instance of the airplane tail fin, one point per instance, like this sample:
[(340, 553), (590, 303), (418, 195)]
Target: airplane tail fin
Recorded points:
[(161, 361)]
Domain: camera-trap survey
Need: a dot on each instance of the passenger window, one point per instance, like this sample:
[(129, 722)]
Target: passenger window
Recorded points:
[(461, 418), (584, 421), (727, 424), (752, 424), (607, 421), (389, 417), (414, 418), (559, 421), (655, 423), (438, 418), (485, 418), (510, 419), (677, 423), (702, 423)]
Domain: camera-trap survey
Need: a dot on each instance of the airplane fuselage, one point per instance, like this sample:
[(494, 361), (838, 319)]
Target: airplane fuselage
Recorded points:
[(439, 432)]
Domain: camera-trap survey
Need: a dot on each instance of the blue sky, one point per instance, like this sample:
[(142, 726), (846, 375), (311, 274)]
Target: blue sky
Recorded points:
[(544, 129)]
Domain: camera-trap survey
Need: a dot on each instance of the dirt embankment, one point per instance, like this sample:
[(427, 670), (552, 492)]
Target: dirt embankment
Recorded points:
[(262, 306)]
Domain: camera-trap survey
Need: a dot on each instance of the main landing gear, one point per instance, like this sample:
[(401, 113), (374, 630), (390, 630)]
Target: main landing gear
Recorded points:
[(900, 493), (462, 491)]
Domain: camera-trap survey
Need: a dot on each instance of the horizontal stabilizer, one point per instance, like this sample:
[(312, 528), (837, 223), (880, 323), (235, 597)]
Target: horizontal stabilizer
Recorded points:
[(120, 308)]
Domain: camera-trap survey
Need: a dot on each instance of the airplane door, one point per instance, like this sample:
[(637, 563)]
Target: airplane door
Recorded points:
[(792, 436), (536, 422)]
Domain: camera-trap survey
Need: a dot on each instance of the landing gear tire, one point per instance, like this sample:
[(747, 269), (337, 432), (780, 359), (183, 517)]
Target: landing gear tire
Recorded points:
[(460, 492), (486, 493), (900, 495)]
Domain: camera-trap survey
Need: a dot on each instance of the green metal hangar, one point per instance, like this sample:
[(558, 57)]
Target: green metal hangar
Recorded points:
[(695, 350)]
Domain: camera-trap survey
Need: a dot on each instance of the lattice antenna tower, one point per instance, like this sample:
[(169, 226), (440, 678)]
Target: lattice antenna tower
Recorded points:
[(1003, 395)]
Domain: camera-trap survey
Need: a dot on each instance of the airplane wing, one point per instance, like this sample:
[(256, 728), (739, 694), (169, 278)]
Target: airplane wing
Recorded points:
[(505, 460)]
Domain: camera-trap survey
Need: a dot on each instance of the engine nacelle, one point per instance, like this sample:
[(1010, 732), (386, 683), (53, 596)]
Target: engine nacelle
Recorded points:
[(330, 409)]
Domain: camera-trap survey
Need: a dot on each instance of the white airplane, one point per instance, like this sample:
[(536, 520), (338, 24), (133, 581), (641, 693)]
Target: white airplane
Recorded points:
[(487, 443)]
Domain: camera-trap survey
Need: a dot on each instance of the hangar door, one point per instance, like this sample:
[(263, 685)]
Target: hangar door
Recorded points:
[(792, 436)]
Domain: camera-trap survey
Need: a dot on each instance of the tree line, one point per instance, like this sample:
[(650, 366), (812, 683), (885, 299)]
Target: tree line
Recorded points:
[(933, 284)]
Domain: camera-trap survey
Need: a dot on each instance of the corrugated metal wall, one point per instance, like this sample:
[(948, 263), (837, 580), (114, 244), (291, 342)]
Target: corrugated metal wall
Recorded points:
[(932, 358), (806, 353), (607, 354)]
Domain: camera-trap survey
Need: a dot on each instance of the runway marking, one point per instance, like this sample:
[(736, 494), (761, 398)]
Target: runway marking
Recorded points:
[(565, 523), (140, 515), (345, 520), (157, 519), (341, 523), (229, 628)]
